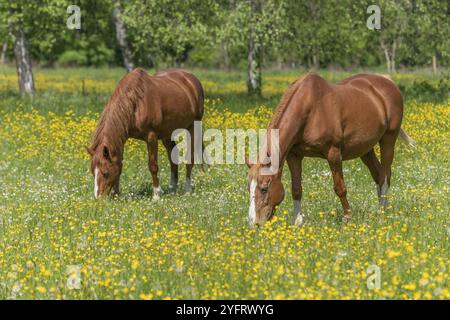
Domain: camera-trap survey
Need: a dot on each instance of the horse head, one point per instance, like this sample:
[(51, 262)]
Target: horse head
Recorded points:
[(266, 192), (106, 167)]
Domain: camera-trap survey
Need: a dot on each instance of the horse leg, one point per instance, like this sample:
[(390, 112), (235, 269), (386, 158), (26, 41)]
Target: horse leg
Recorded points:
[(335, 162), (387, 144), (172, 150), (295, 167), (116, 189), (152, 147), (371, 161), (190, 163)]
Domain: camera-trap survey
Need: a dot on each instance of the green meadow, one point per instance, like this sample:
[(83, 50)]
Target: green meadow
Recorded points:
[(58, 242)]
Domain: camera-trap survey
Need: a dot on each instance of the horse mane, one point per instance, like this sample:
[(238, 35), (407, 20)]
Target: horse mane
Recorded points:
[(278, 114), (285, 99), (118, 115)]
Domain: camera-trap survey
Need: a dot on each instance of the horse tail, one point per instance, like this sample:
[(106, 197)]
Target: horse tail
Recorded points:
[(410, 142), (200, 100), (206, 160)]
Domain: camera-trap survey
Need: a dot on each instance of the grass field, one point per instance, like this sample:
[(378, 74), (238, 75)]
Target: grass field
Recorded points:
[(57, 242)]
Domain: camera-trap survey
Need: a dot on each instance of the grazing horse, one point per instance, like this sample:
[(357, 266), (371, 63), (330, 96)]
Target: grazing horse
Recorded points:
[(332, 121), (147, 108)]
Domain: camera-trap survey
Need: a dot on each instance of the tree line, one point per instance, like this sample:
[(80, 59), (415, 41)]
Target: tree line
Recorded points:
[(246, 34)]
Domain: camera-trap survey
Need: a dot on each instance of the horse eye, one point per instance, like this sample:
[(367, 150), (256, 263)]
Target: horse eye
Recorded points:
[(264, 189)]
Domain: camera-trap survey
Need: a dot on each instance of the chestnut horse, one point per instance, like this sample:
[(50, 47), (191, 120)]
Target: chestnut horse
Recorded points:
[(147, 108), (332, 121)]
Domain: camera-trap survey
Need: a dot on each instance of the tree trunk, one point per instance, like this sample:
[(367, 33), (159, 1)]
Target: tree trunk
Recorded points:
[(225, 56), (394, 49), (121, 35), (388, 60), (254, 56), (316, 61), (390, 56), (3, 55), (434, 63), (23, 63), (254, 68)]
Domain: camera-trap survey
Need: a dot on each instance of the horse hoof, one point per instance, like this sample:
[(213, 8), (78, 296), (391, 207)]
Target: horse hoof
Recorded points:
[(157, 191), (346, 218), (299, 221)]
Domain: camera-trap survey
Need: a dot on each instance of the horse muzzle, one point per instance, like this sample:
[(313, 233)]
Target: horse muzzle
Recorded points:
[(264, 215)]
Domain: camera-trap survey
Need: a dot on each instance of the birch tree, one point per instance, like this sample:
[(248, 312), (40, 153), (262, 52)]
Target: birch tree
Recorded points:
[(256, 27), (432, 19), (254, 50), (167, 30), (394, 24), (16, 19), (23, 62), (121, 35), (31, 22)]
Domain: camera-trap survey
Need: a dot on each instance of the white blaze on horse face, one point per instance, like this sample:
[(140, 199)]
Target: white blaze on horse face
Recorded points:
[(252, 209), (96, 182)]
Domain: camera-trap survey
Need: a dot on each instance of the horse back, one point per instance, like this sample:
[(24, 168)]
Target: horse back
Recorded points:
[(185, 82), (383, 92), (353, 114), (174, 100)]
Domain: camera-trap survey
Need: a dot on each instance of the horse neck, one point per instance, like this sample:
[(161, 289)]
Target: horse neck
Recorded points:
[(283, 120), (113, 137), (116, 140), (287, 129)]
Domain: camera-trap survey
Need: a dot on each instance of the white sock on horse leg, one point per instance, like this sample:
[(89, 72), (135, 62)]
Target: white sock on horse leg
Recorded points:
[(187, 185), (157, 191), (383, 191), (298, 217)]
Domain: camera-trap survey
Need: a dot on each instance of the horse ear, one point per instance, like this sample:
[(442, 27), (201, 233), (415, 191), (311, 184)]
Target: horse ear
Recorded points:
[(90, 151), (247, 161), (279, 173), (106, 153)]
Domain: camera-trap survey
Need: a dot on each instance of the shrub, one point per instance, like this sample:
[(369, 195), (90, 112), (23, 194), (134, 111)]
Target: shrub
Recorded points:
[(426, 90), (72, 58)]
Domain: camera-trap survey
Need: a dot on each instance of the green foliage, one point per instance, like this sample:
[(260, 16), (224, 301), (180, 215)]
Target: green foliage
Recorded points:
[(72, 58), (204, 57), (96, 56), (432, 19), (209, 33), (426, 90), (38, 20), (167, 30)]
